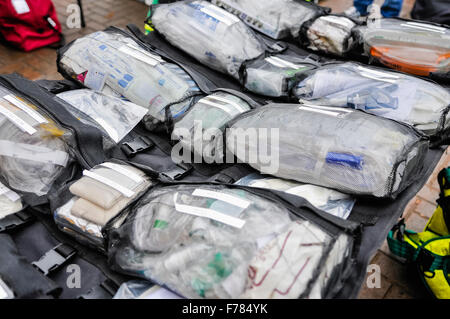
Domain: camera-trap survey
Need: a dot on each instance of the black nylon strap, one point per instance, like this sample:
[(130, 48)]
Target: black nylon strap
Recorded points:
[(24, 280), (14, 221), (105, 290)]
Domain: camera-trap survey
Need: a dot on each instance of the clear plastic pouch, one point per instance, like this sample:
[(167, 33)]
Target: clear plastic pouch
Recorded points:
[(389, 94), (202, 241), (114, 64), (410, 46), (348, 150), (210, 34), (113, 116), (33, 148), (328, 200), (276, 75), (276, 19), (209, 114)]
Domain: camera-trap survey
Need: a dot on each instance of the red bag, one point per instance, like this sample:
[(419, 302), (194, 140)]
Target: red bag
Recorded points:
[(29, 24)]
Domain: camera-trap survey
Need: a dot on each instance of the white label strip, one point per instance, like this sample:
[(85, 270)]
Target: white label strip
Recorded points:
[(150, 55), (125, 191), (24, 126), (328, 108), (220, 106), (222, 99), (33, 153), (282, 63), (222, 15), (108, 128), (139, 55), (427, 26), (230, 199), (379, 73), (287, 63), (124, 171), (339, 20), (424, 27), (13, 196), (35, 115), (309, 109), (208, 213), (373, 77), (274, 62)]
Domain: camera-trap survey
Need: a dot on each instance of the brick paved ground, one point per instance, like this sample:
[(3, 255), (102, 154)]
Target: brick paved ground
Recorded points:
[(397, 281)]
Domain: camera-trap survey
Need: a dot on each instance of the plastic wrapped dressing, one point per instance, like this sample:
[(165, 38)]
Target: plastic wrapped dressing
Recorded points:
[(113, 116), (65, 219), (114, 64), (350, 151), (210, 34), (389, 94), (276, 19), (210, 113), (330, 34), (33, 149), (97, 198), (204, 241), (414, 47), (328, 200)]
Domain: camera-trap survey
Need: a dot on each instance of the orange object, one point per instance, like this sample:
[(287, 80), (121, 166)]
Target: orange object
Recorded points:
[(419, 61)]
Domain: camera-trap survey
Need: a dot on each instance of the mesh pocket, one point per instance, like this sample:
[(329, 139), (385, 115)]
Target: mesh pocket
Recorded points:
[(206, 241)]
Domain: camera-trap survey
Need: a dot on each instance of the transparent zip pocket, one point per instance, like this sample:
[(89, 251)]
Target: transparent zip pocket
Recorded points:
[(276, 19), (202, 241), (276, 75), (33, 148), (112, 63), (350, 151), (200, 130), (328, 200), (210, 34), (392, 95)]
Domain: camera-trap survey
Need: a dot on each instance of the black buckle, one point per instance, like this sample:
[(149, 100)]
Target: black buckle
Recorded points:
[(54, 258), (425, 259), (178, 172), (138, 145), (15, 220), (106, 290), (223, 178)]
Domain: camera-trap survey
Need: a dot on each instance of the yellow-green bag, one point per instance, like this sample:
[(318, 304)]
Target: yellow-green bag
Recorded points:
[(430, 249)]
